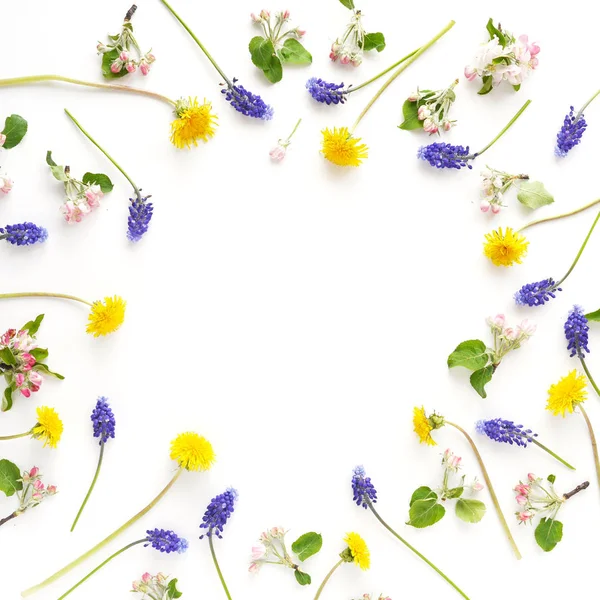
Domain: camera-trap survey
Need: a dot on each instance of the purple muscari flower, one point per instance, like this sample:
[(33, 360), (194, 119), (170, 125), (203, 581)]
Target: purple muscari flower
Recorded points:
[(576, 332), (501, 430), (328, 93), (140, 213), (23, 234), (362, 488), (537, 293), (218, 512), (165, 540), (570, 133), (446, 156), (103, 420), (246, 102)]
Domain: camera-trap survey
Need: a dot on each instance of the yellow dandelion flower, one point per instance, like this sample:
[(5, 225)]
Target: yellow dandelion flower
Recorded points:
[(193, 452), (423, 427), (359, 550), (106, 317), (48, 428), (505, 249), (340, 148), (567, 393), (194, 122)]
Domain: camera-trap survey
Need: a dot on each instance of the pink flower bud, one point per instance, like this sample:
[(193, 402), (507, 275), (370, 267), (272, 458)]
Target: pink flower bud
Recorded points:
[(525, 516), (35, 379), (130, 66), (522, 489), (278, 153), (413, 97), (470, 73), (447, 125), (265, 14), (19, 379), (160, 577), (144, 68), (429, 126), (484, 206), (423, 112), (150, 58), (116, 66), (496, 208), (477, 487), (146, 577), (300, 32), (510, 334), (38, 485), (124, 56), (531, 477), (254, 567), (258, 552), (264, 536), (34, 472), (522, 500), (51, 489), (7, 184), (285, 15), (255, 18), (2, 139), (345, 59), (37, 496), (135, 586), (527, 327)]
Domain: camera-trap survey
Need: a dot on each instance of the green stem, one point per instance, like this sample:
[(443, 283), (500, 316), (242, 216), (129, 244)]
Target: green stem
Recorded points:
[(555, 217), (119, 88), (214, 557), (540, 445), (366, 83), (399, 537), (593, 440), (589, 375), (102, 564), (104, 542), (294, 130), (14, 437), (43, 295), (490, 488), (87, 497), (112, 160), (402, 68), (580, 112), (506, 128), (200, 44), (327, 578)]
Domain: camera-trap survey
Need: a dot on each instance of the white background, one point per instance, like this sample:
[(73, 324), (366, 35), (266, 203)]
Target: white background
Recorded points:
[(294, 313)]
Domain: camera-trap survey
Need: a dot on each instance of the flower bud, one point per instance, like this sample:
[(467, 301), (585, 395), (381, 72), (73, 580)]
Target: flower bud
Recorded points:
[(413, 97), (277, 154), (345, 59), (38, 485), (254, 567), (116, 66), (531, 477), (300, 32), (429, 126), (146, 577), (484, 206), (34, 472), (477, 487), (522, 500), (470, 73), (51, 489), (144, 68), (265, 14), (7, 184), (130, 66), (258, 551), (255, 18), (285, 15), (496, 208), (101, 48), (447, 125), (2, 139), (124, 56), (37, 496)]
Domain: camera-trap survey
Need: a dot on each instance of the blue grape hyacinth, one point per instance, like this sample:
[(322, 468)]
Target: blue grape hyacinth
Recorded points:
[(103, 420), (218, 512), (165, 540), (362, 488), (503, 431), (23, 234), (576, 332), (140, 214), (537, 293), (246, 102), (326, 93), (570, 133), (446, 156)]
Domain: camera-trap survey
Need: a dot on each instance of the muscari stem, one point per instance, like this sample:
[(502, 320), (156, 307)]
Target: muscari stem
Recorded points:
[(403, 67), (593, 440), (87, 496), (214, 557), (589, 375), (384, 72), (104, 542), (490, 488), (555, 217), (505, 129), (15, 436), (43, 295), (112, 160), (399, 537), (9, 518), (100, 566), (289, 137), (200, 44), (556, 456), (327, 578), (580, 111), (110, 86), (582, 486)]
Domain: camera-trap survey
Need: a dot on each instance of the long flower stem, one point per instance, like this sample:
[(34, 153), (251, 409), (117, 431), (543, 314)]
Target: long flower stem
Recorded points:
[(112, 160), (109, 86), (43, 295), (384, 72), (15, 436), (505, 129), (556, 456), (589, 375), (399, 537), (289, 137), (104, 542), (327, 578), (102, 564), (200, 44), (87, 496), (9, 518), (214, 557), (580, 112), (593, 440), (402, 68), (490, 488), (556, 217)]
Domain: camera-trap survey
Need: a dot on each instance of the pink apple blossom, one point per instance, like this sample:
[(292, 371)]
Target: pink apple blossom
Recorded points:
[(277, 154), (258, 551), (116, 66)]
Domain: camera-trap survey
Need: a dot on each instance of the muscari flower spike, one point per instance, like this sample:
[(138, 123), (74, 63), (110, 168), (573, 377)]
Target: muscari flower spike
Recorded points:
[(570, 133), (364, 491), (140, 214), (576, 332), (503, 431), (326, 93), (247, 103), (537, 293), (23, 234), (442, 155), (218, 512)]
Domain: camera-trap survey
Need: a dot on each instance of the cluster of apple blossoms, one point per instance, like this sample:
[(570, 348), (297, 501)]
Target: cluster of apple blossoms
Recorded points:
[(156, 587)]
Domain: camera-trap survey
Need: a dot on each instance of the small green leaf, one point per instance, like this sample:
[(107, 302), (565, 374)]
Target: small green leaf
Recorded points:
[(517, 87), (410, 112), (307, 545), (107, 60), (49, 161), (593, 316), (551, 478), (421, 493), (348, 4), (7, 357), (294, 53), (495, 32), (469, 510), (424, 508), (548, 533), (172, 591), (39, 353), (487, 86), (59, 173), (261, 52), (480, 378), (15, 128), (44, 369), (106, 185), (472, 354), (9, 477), (7, 400), (533, 194), (302, 578), (32, 326), (374, 41), (456, 492)]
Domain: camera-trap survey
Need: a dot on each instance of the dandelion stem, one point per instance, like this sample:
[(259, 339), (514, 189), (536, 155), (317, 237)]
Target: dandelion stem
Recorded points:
[(490, 488), (200, 44), (110, 86), (87, 497), (505, 129), (582, 486), (556, 456), (104, 542), (399, 537), (593, 440), (102, 564), (589, 375), (402, 68), (43, 295), (580, 111), (112, 160), (555, 217), (366, 83), (15, 436), (9, 518), (214, 557), (327, 578)]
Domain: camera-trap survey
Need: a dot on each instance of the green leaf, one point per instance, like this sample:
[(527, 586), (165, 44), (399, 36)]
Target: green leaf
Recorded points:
[(106, 185), (15, 128), (410, 112), (533, 194), (294, 53), (307, 545), (548, 533), (9, 477), (424, 508), (172, 591), (469, 510), (495, 32), (487, 86), (472, 354), (517, 87), (302, 578), (261, 51), (480, 378), (49, 161), (59, 173), (551, 478), (107, 59), (7, 400), (374, 41), (348, 4), (39, 354), (275, 72), (32, 326), (593, 316), (456, 492), (7, 357), (44, 369)]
